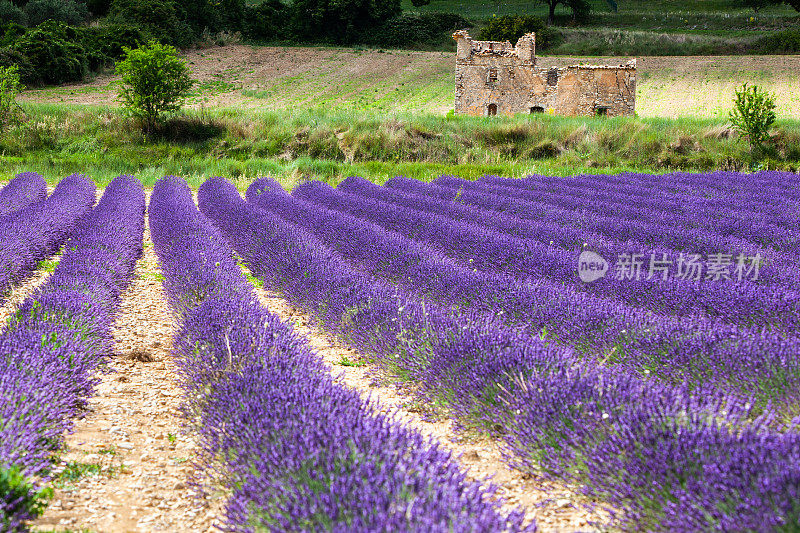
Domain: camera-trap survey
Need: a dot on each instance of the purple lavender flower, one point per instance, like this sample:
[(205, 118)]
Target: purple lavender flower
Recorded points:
[(301, 451), (56, 340)]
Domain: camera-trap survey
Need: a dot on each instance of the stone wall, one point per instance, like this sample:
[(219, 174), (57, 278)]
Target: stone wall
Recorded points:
[(498, 78)]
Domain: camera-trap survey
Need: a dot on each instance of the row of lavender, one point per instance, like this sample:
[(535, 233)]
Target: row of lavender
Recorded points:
[(622, 234), (23, 190), (754, 217), (643, 446), (33, 226), (300, 451), (728, 218), (474, 244), (56, 340), (751, 207), (696, 350)]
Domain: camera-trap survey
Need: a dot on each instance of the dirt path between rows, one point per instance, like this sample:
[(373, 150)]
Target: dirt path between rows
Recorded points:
[(554, 507), (128, 465)]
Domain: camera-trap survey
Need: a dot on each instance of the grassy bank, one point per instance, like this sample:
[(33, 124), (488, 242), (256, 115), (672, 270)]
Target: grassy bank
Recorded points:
[(57, 140)]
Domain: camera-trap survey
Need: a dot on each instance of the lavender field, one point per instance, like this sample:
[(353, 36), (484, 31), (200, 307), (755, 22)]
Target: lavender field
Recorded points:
[(633, 337)]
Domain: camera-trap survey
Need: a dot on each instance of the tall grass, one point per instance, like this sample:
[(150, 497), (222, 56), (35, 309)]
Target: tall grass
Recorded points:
[(241, 145)]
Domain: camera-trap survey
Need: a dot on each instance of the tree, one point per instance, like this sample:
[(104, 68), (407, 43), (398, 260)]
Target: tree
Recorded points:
[(67, 11), (512, 27), (155, 82), (159, 17), (213, 15), (10, 87), (753, 114), (99, 8), (580, 8), (340, 21)]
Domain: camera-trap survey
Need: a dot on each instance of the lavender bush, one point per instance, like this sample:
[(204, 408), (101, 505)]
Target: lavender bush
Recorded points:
[(726, 211), (36, 231), (694, 350), (300, 451), (781, 267), (56, 340), (644, 446), (474, 245), (24, 189)]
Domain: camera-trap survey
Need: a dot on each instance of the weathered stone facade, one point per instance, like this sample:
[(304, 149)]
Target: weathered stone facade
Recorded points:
[(494, 78)]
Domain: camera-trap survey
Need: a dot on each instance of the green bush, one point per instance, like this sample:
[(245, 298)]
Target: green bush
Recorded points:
[(67, 11), (105, 44), (781, 42), (24, 500), (155, 82), (159, 18), (10, 87), (10, 33), (339, 22), (11, 13), (753, 114), (9, 57), (52, 54), (266, 22), (512, 27)]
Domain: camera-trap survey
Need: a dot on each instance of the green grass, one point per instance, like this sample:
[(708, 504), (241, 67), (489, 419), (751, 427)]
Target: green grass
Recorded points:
[(76, 470), (156, 276), (47, 265), (292, 146), (658, 15), (345, 361), (658, 27)]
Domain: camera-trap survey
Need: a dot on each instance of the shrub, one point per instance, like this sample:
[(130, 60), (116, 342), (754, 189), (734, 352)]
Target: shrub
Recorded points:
[(19, 498), (10, 87), (9, 57), (512, 27), (197, 128), (755, 5), (155, 82), (159, 18), (11, 32), (105, 44), (11, 13), (781, 42), (67, 11), (52, 54), (753, 114)]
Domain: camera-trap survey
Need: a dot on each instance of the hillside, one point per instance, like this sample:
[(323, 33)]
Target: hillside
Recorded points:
[(407, 81)]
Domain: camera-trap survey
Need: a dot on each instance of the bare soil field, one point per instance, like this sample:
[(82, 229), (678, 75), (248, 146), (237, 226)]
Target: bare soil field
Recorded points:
[(240, 76)]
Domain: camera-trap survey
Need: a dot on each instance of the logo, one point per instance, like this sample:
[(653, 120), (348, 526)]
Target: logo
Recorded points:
[(591, 266)]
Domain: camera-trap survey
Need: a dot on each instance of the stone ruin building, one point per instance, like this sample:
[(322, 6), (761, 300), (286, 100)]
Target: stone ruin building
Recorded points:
[(494, 78)]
